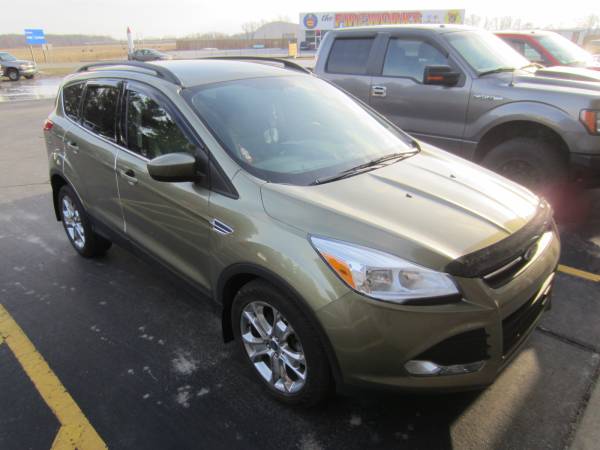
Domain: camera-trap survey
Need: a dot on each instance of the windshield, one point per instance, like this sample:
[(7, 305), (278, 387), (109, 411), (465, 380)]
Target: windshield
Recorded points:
[(7, 57), (567, 52), (485, 52), (294, 129)]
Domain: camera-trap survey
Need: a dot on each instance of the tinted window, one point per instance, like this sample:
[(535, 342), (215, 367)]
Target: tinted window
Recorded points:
[(408, 58), (72, 99), (349, 56), (151, 131), (100, 108)]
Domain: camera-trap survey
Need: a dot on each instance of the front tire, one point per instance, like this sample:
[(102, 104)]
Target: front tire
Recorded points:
[(77, 226), (13, 74), (280, 345), (534, 163)]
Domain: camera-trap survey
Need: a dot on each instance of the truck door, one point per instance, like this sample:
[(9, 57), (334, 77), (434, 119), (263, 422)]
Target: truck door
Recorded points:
[(348, 62), (435, 114)]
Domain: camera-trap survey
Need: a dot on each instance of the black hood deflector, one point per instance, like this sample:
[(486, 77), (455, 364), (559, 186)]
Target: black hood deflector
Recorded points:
[(488, 259)]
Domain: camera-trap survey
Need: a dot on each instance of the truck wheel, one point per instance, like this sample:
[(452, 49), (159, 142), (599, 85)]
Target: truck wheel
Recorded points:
[(13, 74), (280, 345), (533, 163)]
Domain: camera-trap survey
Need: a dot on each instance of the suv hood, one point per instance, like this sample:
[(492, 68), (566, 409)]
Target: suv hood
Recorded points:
[(430, 208)]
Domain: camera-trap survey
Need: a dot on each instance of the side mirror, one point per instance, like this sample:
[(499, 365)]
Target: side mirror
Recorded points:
[(440, 76), (176, 167)]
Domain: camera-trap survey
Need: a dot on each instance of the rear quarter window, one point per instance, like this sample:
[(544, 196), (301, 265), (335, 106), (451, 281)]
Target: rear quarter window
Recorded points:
[(349, 56), (72, 99)]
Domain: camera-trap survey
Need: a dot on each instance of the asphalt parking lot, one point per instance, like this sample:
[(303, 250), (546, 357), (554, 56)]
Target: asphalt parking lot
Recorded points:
[(136, 361)]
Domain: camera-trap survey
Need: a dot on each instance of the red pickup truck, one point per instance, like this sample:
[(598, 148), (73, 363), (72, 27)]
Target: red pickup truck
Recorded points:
[(549, 49)]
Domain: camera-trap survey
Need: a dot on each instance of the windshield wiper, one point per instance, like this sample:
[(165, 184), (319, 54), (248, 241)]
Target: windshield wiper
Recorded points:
[(369, 165), (497, 70)]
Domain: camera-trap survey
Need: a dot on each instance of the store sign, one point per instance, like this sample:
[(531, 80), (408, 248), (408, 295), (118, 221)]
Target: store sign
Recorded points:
[(331, 20), (317, 21)]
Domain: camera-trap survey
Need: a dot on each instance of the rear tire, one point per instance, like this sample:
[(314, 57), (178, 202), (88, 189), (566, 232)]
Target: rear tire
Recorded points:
[(534, 163), (303, 377), (13, 74), (78, 227)]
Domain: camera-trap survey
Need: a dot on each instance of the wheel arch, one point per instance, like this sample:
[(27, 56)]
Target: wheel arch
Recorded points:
[(237, 275), (57, 181), (511, 129)]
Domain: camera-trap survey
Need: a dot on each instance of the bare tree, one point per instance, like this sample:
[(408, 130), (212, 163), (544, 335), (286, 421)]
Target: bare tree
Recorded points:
[(591, 22), (249, 28)]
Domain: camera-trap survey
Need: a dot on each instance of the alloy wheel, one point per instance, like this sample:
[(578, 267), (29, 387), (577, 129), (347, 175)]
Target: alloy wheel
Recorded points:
[(72, 221), (273, 347)]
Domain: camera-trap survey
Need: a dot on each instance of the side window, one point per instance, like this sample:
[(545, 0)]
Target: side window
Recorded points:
[(151, 131), (532, 54), (408, 58), (99, 109), (349, 56), (72, 99)]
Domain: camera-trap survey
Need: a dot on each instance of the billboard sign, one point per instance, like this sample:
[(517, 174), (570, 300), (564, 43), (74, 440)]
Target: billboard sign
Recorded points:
[(35, 36), (332, 20)]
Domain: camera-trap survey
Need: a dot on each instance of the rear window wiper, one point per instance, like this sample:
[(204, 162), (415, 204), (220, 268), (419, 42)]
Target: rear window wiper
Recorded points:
[(361, 168), (497, 70)]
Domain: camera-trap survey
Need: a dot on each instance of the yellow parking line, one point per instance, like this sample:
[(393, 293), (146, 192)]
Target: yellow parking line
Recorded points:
[(579, 273), (75, 432)]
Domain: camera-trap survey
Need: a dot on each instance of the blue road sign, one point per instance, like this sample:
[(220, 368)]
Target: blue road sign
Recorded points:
[(35, 36)]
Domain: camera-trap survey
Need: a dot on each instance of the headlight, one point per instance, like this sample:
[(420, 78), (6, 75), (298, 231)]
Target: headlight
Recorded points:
[(591, 120), (383, 276)]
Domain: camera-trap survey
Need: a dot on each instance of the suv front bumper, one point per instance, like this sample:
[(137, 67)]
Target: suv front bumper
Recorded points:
[(374, 340)]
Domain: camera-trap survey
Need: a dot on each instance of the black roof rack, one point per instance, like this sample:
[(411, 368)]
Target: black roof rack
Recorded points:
[(160, 71), (286, 63)]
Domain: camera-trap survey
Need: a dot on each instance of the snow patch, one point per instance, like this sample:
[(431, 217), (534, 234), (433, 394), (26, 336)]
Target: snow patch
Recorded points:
[(183, 396), (202, 392), (184, 363), (355, 420)]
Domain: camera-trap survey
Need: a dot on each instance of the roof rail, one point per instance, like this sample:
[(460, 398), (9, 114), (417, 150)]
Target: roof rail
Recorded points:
[(160, 71), (286, 63)]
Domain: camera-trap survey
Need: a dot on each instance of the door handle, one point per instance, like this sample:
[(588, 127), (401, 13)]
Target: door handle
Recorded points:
[(73, 146), (378, 91), (129, 176)]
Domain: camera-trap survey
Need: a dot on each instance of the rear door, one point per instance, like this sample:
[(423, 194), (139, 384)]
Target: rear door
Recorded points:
[(91, 151), (435, 114), (170, 221), (347, 64)]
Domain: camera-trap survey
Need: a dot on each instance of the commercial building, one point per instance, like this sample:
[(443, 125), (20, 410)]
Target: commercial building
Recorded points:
[(313, 26)]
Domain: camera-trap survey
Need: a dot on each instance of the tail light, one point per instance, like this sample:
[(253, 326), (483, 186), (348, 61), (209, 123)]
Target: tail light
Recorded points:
[(48, 124)]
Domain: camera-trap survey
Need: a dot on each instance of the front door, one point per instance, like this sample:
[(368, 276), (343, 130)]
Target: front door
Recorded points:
[(169, 221), (435, 114)]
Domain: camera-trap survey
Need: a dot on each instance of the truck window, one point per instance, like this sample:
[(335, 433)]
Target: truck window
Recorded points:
[(408, 58), (349, 56)]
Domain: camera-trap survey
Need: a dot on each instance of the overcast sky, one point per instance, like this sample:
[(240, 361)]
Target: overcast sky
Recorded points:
[(155, 18)]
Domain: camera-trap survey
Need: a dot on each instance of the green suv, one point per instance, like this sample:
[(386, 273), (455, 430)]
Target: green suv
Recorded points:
[(341, 250)]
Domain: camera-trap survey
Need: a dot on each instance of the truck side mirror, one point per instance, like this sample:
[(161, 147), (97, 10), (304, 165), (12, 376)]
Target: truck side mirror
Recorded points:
[(440, 76)]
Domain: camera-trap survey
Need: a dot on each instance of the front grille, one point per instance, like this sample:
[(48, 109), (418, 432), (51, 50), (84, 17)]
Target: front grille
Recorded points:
[(516, 326), (463, 348)]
